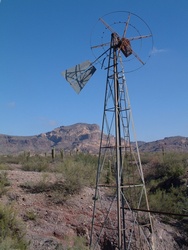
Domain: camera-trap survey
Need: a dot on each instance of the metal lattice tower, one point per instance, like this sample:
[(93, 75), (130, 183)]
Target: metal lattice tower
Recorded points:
[(121, 218), (120, 188)]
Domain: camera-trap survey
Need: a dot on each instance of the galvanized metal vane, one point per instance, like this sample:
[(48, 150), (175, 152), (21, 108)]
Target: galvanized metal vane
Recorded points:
[(79, 75)]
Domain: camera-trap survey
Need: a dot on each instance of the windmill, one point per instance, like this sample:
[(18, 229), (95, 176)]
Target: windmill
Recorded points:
[(120, 199)]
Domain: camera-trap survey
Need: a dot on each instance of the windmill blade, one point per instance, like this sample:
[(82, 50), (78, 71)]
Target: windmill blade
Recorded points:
[(135, 54), (139, 37), (100, 45), (108, 27), (126, 49), (79, 75), (126, 26)]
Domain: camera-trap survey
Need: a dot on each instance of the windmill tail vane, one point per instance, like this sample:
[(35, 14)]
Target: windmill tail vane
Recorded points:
[(79, 75)]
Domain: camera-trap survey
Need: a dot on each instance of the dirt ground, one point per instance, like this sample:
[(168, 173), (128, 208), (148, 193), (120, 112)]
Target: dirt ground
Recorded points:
[(55, 226)]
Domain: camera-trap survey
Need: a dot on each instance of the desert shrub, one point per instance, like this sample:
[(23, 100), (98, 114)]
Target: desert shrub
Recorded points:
[(58, 192), (174, 164), (156, 164), (30, 215), (167, 188), (167, 165), (14, 159), (146, 157), (12, 231), (42, 185), (77, 242), (9, 159), (3, 166), (3, 182), (35, 163), (174, 201), (79, 169)]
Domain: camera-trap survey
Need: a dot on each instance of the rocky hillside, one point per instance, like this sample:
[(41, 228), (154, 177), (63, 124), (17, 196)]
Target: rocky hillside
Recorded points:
[(81, 136), (174, 143)]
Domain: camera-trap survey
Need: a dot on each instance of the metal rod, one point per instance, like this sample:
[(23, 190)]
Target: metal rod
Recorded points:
[(155, 212), (118, 136)]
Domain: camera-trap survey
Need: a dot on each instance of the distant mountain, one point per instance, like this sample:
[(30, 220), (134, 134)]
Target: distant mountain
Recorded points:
[(82, 137), (174, 143)]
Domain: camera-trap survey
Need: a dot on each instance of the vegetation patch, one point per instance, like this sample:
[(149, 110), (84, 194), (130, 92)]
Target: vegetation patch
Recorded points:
[(35, 163), (3, 183), (167, 182), (12, 231), (30, 215), (58, 192), (166, 176)]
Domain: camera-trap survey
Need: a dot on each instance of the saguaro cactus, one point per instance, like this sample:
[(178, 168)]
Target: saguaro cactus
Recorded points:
[(53, 153)]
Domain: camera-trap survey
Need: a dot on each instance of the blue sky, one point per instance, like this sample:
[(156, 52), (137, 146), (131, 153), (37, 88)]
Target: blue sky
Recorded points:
[(42, 38)]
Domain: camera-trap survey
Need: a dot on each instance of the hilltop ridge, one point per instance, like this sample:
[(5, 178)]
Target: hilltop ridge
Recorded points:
[(82, 137)]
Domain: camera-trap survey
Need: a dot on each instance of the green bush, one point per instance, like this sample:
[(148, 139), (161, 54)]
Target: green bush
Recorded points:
[(146, 158), (167, 187), (35, 163), (13, 159), (79, 169), (30, 215), (3, 166), (59, 191), (12, 231), (78, 242), (174, 165), (76, 171), (3, 182), (174, 201)]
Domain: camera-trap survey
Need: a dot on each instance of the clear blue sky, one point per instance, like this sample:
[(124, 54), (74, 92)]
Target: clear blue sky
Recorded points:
[(41, 38)]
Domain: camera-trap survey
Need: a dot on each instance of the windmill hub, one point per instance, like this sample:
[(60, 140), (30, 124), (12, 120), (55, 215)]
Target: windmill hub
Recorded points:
[(122, 44), (125, 46)]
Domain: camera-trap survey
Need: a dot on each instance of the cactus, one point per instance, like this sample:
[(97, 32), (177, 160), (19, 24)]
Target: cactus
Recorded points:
[(53, 153), (62, 154)]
